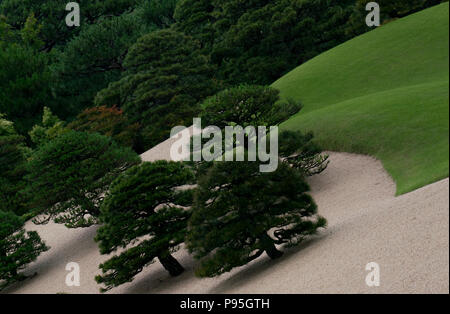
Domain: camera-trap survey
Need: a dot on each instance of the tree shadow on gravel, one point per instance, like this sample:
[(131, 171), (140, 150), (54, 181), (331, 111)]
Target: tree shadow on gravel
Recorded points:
[(246, 274), (159, 281)]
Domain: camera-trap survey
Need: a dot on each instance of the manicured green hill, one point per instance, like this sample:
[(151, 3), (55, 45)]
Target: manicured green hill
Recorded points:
[(384, 94)]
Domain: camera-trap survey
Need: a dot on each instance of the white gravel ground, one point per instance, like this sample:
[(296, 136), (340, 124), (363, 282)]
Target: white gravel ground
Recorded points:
[(408, 236)]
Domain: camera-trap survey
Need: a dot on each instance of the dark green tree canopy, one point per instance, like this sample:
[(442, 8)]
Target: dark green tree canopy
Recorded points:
[(24, 85), (390, 9), (399, 8), (157, 14), (164, 81), (111, 122), (247, 105), (70, 175), (93, 59), (236, 209), (195, 18), (51, 15), (50, 128), (300, 152), (256, 42), (253, 105), (12, 168), (145, 208), (17, 248)]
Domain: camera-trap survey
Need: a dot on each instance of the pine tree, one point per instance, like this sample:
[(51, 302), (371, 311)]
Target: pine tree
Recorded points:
[(256, 42), (24, 85), (93, 59), (145, 214), (51, 15), (70, 175), (248, 105), (157, 14), (12, 168), (300, 152), (164, 81), (253, 105), (239, 213), (195, 18), (17, 248)]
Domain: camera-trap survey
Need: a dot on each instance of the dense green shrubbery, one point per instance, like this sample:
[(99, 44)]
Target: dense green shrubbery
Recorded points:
[(145, 208), (251, 42), (50, 128), (165, 78), (70, 175), (17, 248)]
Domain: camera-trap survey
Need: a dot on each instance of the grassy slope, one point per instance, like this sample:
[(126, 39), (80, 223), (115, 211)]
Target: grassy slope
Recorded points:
[(385, 94)]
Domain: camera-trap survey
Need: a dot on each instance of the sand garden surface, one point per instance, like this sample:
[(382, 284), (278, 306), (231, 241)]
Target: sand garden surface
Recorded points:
[(406, 235)]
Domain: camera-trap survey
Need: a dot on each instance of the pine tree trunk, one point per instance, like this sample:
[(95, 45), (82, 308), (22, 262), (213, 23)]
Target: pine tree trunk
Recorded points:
[(269, 247), (171, 264), (273, 252)]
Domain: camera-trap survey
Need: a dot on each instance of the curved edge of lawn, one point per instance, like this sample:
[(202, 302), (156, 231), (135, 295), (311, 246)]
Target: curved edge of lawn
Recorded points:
[(415, 152)]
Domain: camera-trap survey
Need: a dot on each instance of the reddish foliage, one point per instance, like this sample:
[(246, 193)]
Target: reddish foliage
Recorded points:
[(109, 121)]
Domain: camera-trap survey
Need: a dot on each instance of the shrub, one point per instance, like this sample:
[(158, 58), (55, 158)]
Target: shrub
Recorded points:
[(50, 128), (70, 175), (144, 213), (17, 248)]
